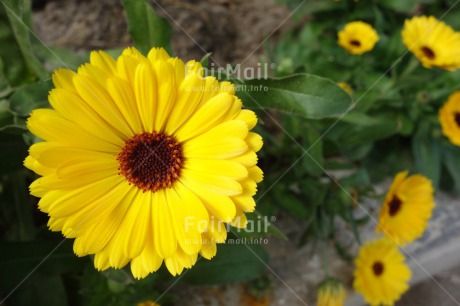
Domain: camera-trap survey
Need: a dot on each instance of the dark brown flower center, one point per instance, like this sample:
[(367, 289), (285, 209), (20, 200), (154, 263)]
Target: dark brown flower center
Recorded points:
[(428, 52), (378, 268), (457, 119), (355, 43), (151, 161), (394, 206)]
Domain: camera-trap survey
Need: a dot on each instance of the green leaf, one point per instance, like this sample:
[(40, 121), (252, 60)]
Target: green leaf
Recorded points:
[(42, 289), (295, 206), (16, 48), (146, 28), (55, 57), (29, 97), (305, 95), (313, 160), (18, 259), (5, 88), (404, 6), (204, 61), (233, 263), (451, 159), (13, 152), (17, 207), (427, 155), (385, 125)]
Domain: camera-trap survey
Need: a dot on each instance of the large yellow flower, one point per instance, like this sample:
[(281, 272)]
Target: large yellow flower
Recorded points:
[(358, 37), (143, 160), (331, 292), (449, 117), (407, 208), (434, 43), (381, 275)]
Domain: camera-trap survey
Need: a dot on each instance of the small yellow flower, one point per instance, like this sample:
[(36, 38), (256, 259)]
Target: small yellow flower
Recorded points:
[(346, 87), (434, 43), (449, 117), (148, 303), (407, 208), (331, 292), (358, 37), (381, 275)]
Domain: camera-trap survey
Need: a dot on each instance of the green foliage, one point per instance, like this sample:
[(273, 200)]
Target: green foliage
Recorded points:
[(145, 27), (324, 148), (302, 94), (235, 261), (14, 35)]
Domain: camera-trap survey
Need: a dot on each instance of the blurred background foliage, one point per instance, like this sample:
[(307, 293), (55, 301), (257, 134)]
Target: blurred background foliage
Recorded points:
[(319, 159)]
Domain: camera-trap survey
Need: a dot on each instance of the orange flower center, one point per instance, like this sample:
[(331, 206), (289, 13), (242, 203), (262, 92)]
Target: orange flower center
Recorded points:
[(151, 161), (428, 52), (394, 206), (378, 268)]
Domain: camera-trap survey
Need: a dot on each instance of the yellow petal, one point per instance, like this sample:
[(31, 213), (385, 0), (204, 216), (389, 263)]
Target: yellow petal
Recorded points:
[(157, 54), (188, 98), (49, 125), (123, 96), (99, 100), (254, 141), (218, 183), (209, 248), (103, 61), (70, 106), (220, 206), (63, 78), (190, 217), (145, 91), (167, 91), (249, 117), (206, 117), (227, 168), (164, 238)]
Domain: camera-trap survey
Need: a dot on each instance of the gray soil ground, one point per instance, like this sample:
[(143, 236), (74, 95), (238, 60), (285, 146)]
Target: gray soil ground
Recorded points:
[(234, 30)]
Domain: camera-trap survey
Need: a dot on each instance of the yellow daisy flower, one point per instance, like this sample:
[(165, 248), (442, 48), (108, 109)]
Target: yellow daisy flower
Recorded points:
[(449, 117), (434, 43), (381, 275), (358, 37), (331, 292), (144, 160), (407, 208)]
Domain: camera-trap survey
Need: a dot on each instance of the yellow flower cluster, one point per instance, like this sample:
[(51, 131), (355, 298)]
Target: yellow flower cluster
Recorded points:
[(381, 275), (434, 43)]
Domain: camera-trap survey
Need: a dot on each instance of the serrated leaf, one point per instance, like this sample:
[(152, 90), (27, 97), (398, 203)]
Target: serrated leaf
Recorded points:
[(304, 95), (146, 28)]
